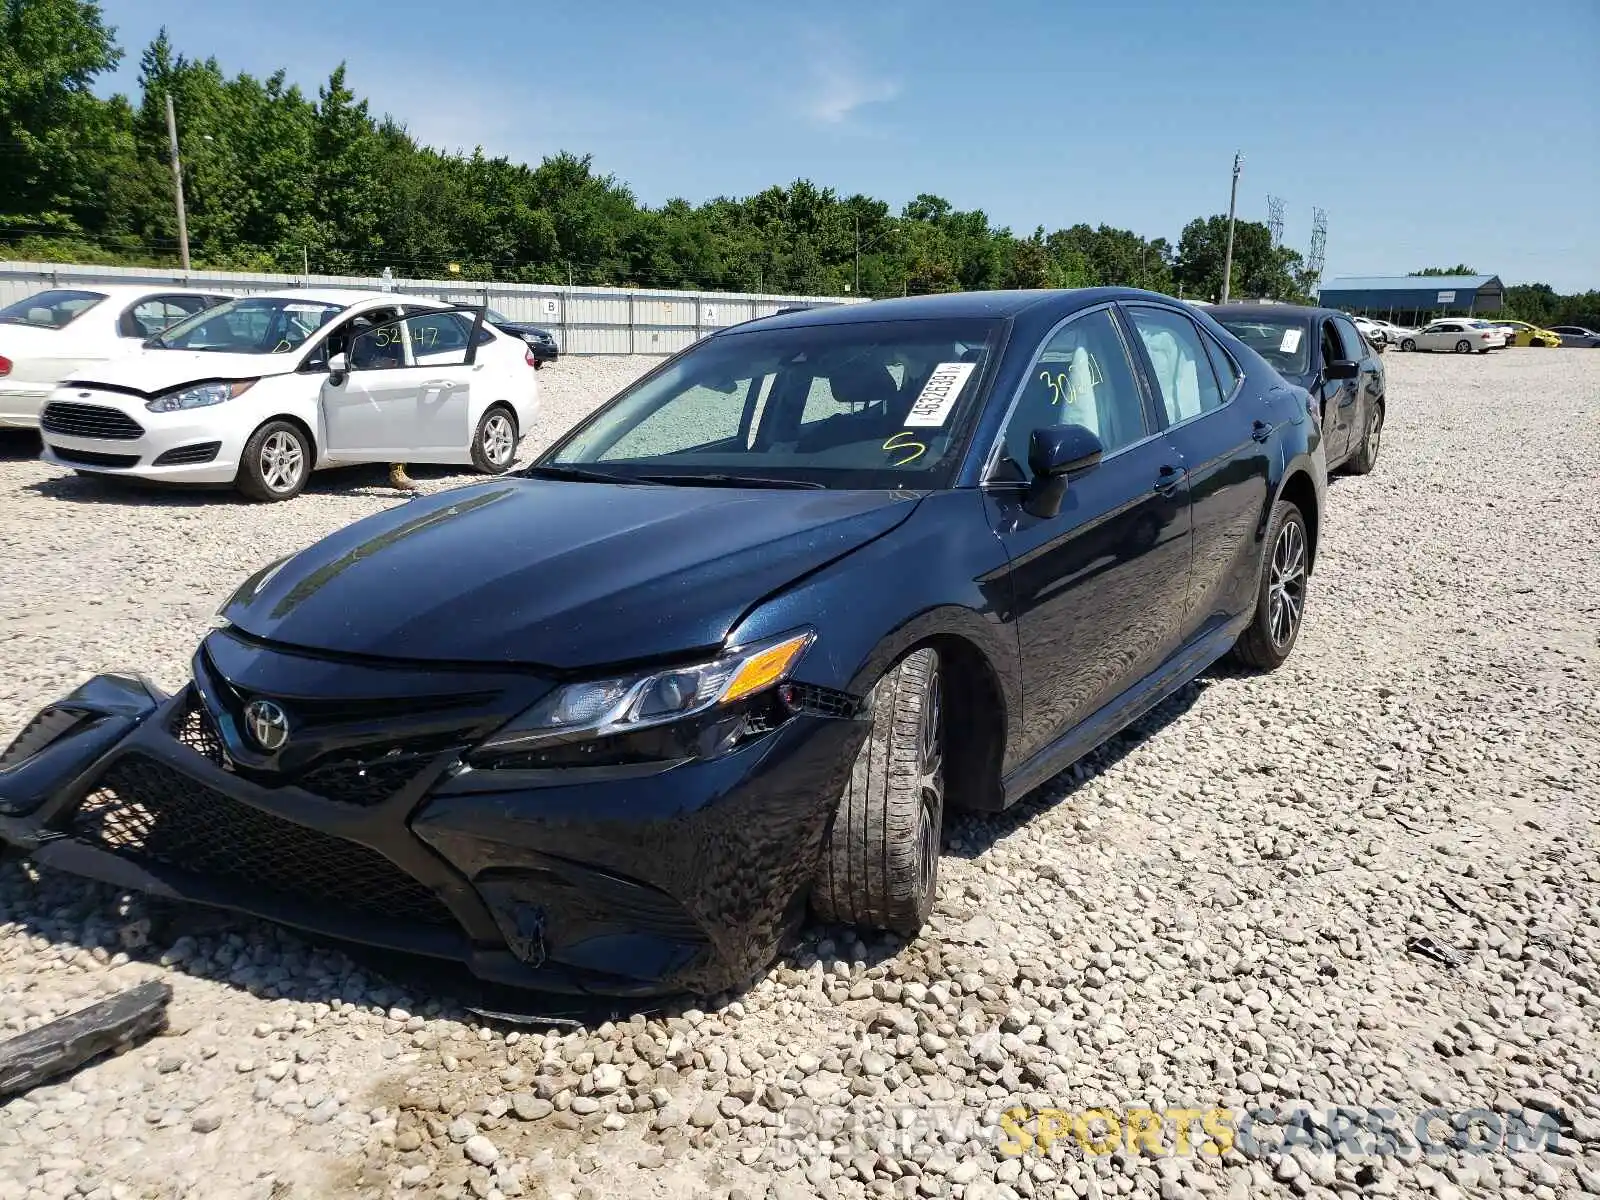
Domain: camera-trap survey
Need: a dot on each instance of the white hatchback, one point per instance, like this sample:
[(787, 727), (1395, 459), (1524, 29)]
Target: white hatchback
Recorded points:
[(52, 334), (260, 391)]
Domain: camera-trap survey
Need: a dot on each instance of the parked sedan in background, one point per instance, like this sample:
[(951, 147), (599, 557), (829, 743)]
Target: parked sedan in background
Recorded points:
[(260, 391), (731, 645), (1576, 336), (1459, 334), (49, 335), (1322, 351), (1376, 332), (539, 339)]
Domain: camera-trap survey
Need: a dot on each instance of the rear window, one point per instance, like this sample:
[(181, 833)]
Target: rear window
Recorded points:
[(55, 309)]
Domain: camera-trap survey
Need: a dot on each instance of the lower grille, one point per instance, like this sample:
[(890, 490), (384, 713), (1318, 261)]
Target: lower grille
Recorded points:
[(189, 456), (148, 812), (193, 727), (93, 458), (89, 421)]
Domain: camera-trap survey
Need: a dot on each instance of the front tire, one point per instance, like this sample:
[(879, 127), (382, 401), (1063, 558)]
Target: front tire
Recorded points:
[(1366, 457), (276, 462), (494, 442), (1281, 595), (880, 863)]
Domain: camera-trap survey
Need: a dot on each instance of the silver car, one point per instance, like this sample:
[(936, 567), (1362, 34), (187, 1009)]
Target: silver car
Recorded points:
[(1576, 335)]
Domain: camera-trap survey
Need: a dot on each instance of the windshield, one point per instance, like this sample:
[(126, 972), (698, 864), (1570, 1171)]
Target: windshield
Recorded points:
[(1285, 342), (249, 325), (55, 309), (870, 405)]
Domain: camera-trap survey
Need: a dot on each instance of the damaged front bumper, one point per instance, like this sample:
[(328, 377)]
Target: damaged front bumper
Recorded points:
[(685, 880)]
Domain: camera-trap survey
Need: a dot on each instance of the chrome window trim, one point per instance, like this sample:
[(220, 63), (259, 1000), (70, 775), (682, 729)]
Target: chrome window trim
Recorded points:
[(992, 459)]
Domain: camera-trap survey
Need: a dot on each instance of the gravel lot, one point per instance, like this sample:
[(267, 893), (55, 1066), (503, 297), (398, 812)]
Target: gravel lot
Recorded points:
[(1222, 907)]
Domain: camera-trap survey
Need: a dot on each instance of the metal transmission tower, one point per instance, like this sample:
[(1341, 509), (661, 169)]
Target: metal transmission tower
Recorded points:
[(1319, 245), (1275, 219)]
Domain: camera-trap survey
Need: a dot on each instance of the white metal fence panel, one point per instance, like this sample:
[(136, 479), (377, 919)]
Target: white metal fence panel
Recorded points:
[(584, 320)]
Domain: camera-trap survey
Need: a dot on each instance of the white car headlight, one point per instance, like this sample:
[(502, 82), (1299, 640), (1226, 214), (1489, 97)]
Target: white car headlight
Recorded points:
[(601, 708), (199, 395)]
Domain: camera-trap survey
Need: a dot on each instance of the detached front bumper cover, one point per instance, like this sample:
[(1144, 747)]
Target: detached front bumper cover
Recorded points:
[(682, 881)]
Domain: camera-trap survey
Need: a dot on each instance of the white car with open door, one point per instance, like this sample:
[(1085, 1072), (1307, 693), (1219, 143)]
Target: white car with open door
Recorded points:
[(260, 391), (57, 332)]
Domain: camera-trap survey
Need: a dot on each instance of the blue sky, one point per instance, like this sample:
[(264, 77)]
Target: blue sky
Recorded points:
[(1432, 131)]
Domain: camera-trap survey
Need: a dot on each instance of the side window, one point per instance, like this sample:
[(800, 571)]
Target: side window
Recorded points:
[(154, 313), (439, 337), (376, 346), (1081, 376), (1228, 374), (1354, 348), (1182, 370)]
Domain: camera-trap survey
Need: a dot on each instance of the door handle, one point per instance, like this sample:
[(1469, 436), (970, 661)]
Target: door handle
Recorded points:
[(1168, 479), (444, 385), (1261, 431)]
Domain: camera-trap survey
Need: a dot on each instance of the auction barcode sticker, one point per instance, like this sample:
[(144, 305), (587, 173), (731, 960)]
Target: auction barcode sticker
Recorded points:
[(939, 395)]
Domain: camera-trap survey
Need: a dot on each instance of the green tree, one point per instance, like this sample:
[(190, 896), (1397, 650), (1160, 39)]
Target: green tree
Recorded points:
[(1260, 269), (1458, 269), (59, 144)]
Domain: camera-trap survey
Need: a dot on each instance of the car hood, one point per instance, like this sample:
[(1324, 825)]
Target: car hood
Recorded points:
[(152, 371), (565, 575)]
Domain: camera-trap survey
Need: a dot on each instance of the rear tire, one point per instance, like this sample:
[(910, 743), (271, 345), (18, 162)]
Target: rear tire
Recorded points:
[(1463, 347), (1281, 594), (494, 442), (1366, 456), (1408, 345), (880, 862), (276, 462)]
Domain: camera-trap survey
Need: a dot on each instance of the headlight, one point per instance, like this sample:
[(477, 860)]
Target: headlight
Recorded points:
[(199, 395), (578, 720)]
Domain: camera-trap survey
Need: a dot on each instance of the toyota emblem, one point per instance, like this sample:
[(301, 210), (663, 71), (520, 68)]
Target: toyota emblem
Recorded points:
[(267, 723)]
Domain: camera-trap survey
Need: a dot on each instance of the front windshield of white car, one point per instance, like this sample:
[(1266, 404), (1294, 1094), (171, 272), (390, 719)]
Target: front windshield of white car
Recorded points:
[(249, 325), (55, 309)]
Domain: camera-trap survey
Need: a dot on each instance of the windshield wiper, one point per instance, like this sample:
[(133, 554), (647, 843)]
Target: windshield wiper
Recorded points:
[(754, 481), (575, 474)]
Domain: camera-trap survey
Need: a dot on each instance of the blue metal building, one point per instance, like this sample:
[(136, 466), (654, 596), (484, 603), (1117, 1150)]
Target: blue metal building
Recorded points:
[(1414, 299)]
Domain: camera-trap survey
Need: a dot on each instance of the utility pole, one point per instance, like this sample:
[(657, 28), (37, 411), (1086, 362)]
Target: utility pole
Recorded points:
[(1233, 199), (305, 263), (858, 254), (177, 184)]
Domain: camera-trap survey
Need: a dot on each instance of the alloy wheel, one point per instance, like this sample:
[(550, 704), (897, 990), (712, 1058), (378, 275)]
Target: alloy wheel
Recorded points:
[(930, 783), (282, 460), (1463, 347), (499, 442), (1374, 434), (1286, 589)]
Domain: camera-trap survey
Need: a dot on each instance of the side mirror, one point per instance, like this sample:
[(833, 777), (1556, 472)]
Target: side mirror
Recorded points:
[(1341, 368), (338, 368), (1054, 455)]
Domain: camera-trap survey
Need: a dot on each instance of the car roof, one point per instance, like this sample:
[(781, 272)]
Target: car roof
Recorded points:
[(951, 305), (1304, 311), (348, 297), (128, 290)]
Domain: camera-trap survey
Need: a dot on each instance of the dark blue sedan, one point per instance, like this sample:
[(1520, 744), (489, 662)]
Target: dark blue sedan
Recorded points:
[(732, 646)]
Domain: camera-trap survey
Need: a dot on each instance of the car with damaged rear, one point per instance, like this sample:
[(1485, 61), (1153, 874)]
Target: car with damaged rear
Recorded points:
[(731, 648)]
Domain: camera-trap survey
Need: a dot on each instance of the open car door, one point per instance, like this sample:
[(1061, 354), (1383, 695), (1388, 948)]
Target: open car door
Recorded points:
[(403, 394)]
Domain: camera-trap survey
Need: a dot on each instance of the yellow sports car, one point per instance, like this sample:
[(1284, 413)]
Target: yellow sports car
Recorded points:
[(1520, 333)]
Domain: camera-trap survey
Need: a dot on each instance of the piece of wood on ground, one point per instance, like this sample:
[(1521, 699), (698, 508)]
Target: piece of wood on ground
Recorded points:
[(69, 1042)]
